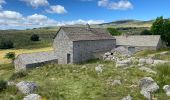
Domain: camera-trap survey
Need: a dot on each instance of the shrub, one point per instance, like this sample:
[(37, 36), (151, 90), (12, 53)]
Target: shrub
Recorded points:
[(34, 37), (3, 85), (6, 44), (18, 75), (146, 32), (113, 31), (10, 55)]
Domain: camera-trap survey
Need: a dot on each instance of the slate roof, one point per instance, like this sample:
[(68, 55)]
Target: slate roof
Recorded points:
[(84, 33), (138, 40), (38, 57)]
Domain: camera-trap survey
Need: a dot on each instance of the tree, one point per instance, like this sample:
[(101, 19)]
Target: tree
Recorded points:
[(162, 27), (146, 32), (6, 44), (34, 37), (113, 31), (10, 55)]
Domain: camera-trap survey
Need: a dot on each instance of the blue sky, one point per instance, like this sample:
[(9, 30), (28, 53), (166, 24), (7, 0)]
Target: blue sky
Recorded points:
[(38, 13)]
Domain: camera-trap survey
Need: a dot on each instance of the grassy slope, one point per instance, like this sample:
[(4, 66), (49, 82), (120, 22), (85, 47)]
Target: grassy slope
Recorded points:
[(72, 82)]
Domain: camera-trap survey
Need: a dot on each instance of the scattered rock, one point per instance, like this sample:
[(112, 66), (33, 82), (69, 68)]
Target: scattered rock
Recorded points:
[(32, 97), (10, 83), (27, 87), (149, 61), (149, 70), (99, 68), (116, 82), (122, 50), (123, 63), (142, 61), (166, 88), (127, 98), (156, 62), (148, 86)]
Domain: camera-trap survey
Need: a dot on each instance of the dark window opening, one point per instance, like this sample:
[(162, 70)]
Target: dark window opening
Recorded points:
[(68, 58)]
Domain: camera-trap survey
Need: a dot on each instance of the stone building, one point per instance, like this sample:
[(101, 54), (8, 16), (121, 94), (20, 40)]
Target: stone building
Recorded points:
[(71, 45), (78, 44), (136, 43)]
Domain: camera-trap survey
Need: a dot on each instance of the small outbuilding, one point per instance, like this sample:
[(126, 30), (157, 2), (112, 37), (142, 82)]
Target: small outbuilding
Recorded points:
[(32, 60), (136, 43)]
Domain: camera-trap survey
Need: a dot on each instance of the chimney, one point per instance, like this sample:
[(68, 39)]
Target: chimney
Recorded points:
[(88, 26)]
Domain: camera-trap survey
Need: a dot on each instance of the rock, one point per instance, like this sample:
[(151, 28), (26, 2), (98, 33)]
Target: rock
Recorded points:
[(149, 70), (127, 98), (166, 88), (142, 61), (149, 61), (122, 50), (116, 82), (148, 86), (33, 97), (27, 87), (10, 83), (99, 68), (156, 62), (124, 63)]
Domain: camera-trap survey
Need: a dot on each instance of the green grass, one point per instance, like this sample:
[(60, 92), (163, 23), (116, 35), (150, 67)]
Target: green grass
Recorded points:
[(72, 82), (21, 38)]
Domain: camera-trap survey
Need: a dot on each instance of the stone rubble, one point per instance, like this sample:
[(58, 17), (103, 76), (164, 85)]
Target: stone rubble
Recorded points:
[(148, 87), (146, 69), (26, 87), (33, 97), (99, 68), (166, 88), (127, 98)]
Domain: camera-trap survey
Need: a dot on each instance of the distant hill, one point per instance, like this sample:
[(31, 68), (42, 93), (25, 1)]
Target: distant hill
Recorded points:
[(128, 23)]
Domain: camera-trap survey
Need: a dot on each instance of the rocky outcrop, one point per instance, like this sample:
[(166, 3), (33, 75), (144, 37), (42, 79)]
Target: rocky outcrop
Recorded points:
[(127, 98), (26, 87), (148, 87)]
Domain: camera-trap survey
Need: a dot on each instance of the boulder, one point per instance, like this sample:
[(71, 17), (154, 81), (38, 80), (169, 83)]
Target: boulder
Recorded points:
[(33, 97), (123, 63), (116, 82), (127, 98), (142, 61), (99, 68), (149, 61), (122, 50), (148, 86), (166, 88), (27, 87), (149, 70), (156, 62)]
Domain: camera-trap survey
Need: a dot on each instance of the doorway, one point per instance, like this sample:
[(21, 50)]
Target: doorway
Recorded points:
[(68, 58)]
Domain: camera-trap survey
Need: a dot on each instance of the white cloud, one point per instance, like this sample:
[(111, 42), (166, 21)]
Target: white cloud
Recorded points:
[(12, 19), (2, 2), (36, 3), (12, 15), (120, 5), (56, 9)]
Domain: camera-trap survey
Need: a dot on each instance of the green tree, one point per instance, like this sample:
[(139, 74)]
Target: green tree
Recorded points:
[(34, 37), (113, 31), (10, 55), (161, 27), (6, 44), (146, 32)]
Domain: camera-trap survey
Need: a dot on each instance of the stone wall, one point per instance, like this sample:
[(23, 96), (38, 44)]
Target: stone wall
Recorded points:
[(84, 50), (63, 46)]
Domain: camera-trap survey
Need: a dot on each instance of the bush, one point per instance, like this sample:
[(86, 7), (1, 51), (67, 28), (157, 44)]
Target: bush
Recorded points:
[(6, 44), (146, 32), (113, 31), (3, 85), (34, 37), (10, 55), (18, 75)]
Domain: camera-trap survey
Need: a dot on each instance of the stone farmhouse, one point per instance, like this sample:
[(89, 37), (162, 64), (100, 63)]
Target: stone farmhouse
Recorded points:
[(73, 45)]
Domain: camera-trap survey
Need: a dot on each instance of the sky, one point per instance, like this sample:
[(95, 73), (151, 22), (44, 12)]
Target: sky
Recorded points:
[(22, 14)]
